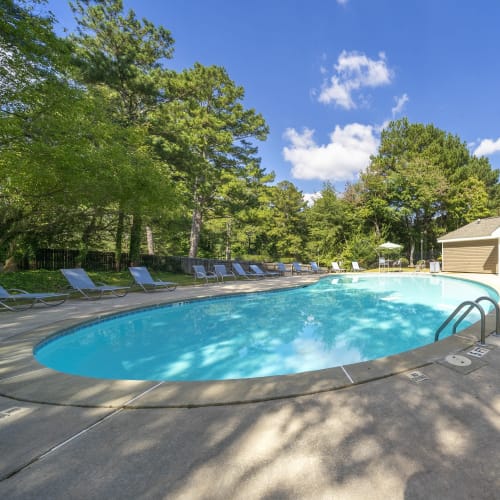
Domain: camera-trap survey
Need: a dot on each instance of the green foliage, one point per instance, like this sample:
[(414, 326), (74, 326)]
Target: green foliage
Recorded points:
[(285, 224), (422, 183), (98, 140), (205, 131), (329, 221), (53, 281), (121, 52)]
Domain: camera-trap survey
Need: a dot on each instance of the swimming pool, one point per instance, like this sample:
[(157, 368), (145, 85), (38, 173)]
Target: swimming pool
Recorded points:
[(335, 322)]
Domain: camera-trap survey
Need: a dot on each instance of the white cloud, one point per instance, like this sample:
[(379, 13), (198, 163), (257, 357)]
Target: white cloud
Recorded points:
[(400, 103), (353, 72), (487, 147), (347, 153), (342, 2), (310, 198)]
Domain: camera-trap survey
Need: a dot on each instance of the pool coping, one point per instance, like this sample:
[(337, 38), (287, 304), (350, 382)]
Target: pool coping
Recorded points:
[(23, 378)]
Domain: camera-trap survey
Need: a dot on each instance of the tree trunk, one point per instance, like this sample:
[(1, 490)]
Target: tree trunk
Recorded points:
[(228, 240), (119, 240), (149, 239), (412, 251), (196, 223), (85, 242), (135, 239), (11, 261), (10, 265)]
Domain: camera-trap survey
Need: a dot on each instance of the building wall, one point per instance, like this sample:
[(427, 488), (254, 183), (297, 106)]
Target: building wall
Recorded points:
[(471, 257)]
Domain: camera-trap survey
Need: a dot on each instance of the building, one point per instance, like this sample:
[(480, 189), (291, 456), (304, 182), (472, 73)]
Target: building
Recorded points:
[(472, 248)]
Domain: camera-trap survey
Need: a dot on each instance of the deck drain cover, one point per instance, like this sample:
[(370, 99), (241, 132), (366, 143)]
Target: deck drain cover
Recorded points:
[(478, 352), (417, 377), (457, 360)]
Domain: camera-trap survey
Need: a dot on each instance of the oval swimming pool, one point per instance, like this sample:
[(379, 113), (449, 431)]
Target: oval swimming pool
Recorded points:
[(337, 321)]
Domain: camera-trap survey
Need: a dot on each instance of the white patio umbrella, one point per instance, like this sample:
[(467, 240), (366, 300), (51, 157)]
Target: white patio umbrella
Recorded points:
[(389, 246)]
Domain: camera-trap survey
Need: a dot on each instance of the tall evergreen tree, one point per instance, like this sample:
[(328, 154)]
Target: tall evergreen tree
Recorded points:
[(207, 134), (124, 54)]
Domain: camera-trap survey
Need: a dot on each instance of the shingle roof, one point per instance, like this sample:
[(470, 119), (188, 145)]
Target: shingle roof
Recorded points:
[(480, 228)]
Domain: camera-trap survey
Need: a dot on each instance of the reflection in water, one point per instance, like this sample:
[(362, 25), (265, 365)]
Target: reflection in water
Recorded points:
[(335, 322)]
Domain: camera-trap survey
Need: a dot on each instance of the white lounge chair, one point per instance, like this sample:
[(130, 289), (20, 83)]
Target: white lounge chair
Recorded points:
[(258, 271), (79, 281), (355, 267), (16, 299), (143, 278), (336, 268), (222, 272), (238, 269), (200, 273)]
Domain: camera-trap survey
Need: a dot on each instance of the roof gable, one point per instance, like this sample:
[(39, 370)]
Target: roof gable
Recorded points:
[(479, 229)]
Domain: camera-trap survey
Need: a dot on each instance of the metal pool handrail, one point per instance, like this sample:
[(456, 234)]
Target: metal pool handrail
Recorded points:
[(456, 311), (496, 331)]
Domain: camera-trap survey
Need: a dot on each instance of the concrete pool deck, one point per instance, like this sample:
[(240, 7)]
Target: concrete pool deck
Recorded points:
[(406, 426)]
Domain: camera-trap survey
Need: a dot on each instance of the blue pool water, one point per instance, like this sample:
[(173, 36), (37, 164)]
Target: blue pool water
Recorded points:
[(337, 321)]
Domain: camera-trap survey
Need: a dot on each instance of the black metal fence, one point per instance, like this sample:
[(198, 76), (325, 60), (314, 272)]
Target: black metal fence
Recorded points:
[(54, 259)]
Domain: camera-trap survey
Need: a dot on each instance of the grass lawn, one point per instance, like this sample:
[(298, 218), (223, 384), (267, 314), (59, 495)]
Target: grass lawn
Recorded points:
[(53, 281)]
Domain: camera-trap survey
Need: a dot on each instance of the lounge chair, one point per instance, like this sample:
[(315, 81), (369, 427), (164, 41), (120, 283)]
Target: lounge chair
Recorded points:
[(258, 271), (396, 266), (336, 268), (143, 278), (297, 268), (200, 273), (222, 272), (79, 281), (315, 268), (281, 268), (238, 269), (355, 267), (16, 299)]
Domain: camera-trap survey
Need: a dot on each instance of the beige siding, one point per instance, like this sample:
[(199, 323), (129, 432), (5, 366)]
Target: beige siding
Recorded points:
[(471, 257)]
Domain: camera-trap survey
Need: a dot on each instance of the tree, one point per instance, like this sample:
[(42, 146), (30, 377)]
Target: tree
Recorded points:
[(206, 133), (285, 226), (125, 55), (411, 185), (467, 201), (32, 64), (30, 54), (329, 225)]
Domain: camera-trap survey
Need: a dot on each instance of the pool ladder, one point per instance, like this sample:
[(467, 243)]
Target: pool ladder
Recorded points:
[(472, 305)]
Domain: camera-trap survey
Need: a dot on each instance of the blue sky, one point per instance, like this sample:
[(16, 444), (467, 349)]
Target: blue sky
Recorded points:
[(328, 75)]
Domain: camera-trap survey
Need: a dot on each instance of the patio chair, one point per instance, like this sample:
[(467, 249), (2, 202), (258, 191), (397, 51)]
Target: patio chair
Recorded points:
[(238, 269), (336, 268), (315, 268), (200, 273), (355, 267), (16, 299), (257, 270), (383, 265), (79, 281), (396, 265), (222, 272), (281, 268), (143, 278), (297, 268)]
